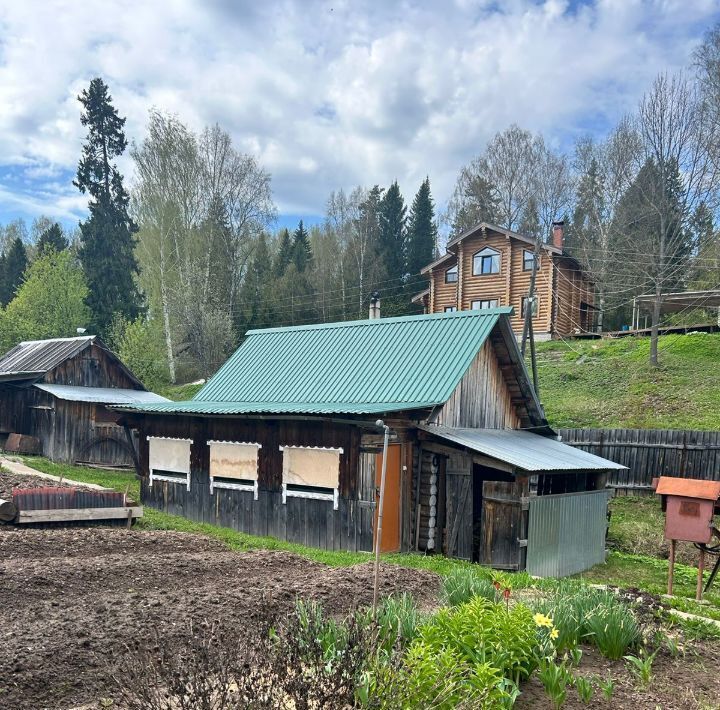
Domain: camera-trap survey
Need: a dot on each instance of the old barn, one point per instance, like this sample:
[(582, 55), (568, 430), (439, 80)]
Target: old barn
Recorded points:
[(55, 394), (283, 441)]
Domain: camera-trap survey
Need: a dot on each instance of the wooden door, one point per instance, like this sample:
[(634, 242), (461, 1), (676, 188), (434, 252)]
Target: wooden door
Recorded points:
[(391, 507)]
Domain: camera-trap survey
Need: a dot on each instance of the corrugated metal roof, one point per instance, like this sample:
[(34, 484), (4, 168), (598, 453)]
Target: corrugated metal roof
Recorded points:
[(35, 357), (527, 451), (688, 487), (361, 367), (101, 395)]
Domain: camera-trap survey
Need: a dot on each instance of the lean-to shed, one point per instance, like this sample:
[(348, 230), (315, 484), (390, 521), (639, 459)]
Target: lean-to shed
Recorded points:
[(58, 391), (282, 441)]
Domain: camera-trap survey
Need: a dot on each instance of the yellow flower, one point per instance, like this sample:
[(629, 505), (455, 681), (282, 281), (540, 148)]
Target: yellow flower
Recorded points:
[(554, 633), (542, 620)]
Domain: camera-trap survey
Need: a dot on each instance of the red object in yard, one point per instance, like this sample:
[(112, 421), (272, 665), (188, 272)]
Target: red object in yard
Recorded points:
[(23, 444), (690, 506)]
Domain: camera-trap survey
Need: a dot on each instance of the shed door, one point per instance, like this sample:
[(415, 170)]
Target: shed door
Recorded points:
[(391, 506)]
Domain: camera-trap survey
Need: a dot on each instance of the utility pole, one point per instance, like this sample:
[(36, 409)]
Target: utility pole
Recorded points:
[(378, 533), (527, 333)]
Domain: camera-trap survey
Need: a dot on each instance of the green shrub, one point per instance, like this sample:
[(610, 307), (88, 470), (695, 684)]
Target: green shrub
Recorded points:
[(484, 632), (397, 621), (613, 629), (462, 584)]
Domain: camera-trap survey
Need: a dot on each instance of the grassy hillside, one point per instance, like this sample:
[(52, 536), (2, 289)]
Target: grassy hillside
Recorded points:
[(179, 393), (609, 383)]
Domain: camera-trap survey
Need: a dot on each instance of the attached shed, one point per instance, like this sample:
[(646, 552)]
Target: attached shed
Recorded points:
[(282, 441), (59, 392)]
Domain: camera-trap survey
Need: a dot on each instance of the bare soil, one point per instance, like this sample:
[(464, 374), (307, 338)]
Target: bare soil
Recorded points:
[(75, 601), (8, 481)]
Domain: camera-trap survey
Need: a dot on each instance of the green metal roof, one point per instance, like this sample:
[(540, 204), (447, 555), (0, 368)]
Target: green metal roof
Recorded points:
[(351, 367)]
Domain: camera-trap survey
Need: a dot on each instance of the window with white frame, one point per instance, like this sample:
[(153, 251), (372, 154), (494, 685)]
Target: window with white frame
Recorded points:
[(451, 275), (234, 465), (311, 472), (450, 309), (528, 260), (533, 310), (486, 261), (481, 305), (169, 459)]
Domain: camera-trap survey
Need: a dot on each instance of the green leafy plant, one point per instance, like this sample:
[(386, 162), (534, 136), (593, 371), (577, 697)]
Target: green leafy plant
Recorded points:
[(575, 655), (555, 678), (613, 629), (584, 688), (462, 584), (641, 667), (607, 687)]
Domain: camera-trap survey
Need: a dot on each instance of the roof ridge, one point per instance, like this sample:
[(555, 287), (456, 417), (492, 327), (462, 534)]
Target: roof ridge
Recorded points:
[(56, 340), (375, 322)]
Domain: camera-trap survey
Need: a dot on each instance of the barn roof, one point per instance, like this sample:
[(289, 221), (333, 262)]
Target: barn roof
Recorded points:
[(524, 450), (36, 357), (101, 395), (352, 367)]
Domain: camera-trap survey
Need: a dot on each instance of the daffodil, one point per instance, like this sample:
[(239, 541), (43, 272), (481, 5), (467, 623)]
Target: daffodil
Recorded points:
[(542, 620), (554, 633)]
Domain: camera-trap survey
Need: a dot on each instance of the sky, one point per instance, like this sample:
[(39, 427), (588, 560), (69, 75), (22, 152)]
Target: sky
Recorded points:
[(326, 95)]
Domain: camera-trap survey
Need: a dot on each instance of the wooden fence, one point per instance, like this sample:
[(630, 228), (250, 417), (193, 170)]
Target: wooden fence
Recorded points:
[(649, 453)]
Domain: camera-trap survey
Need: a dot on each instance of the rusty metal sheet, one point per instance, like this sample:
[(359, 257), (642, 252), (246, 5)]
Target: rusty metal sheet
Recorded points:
[(688, 488)]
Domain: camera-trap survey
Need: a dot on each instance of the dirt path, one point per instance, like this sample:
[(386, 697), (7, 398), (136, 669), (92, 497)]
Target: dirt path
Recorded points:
[(73, 600)]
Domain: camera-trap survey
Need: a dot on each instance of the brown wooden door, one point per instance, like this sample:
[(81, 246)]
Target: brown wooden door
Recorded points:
[(391, 507)]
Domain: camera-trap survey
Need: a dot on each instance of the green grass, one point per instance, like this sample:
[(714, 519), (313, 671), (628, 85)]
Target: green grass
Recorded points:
[(609, 383), (178, 393)]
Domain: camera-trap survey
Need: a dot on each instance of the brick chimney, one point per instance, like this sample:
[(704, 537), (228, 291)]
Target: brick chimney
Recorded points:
[(558, 234)]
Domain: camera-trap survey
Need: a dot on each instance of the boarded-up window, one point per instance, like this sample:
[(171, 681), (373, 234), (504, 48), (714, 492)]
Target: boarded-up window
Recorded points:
[(311, 472), (234, 464), (169, 459)]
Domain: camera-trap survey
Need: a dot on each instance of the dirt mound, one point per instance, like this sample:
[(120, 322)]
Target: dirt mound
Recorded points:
[(9, 480), (75, 601)]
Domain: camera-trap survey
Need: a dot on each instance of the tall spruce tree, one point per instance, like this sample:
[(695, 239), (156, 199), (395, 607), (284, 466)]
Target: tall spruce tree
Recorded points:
[(12, 269), (421, 232), (302, 253), (284, 254), (52, 238), (393, 232), (106, 237)]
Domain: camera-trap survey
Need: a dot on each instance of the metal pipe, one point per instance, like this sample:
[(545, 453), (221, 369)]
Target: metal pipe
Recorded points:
[(378, 533)]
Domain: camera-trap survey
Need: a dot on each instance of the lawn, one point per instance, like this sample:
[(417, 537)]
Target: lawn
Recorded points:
[(609, 383)]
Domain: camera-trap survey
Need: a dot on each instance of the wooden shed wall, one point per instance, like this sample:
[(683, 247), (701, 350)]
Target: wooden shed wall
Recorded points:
[(307, 521), (571, 288), (93, 367)]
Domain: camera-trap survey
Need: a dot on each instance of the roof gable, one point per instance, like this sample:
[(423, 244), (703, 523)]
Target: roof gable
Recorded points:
[(36, 357)]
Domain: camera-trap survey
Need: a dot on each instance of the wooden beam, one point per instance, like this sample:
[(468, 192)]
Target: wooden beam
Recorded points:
[(76, 514)]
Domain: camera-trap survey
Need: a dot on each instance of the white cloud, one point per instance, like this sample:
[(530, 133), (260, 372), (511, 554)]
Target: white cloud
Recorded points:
[(327, 94)]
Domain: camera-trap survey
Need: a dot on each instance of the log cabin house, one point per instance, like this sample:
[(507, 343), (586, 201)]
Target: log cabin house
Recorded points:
[(55, 393), (488, 266), (283, 441)]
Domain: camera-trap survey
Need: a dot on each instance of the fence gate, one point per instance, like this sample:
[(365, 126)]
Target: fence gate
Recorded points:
[(566, 533)]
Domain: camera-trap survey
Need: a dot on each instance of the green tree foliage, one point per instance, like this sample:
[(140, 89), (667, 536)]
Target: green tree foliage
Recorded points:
[(139, 345), (12, 268), (301, 251), (392, 232), (284, 254), (49, 304), (106, 243), (52, 238), (706, 274), (256, 295), (475, 200), (421, 230)]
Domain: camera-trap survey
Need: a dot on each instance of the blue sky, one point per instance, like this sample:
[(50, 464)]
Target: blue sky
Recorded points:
[(326, 95)]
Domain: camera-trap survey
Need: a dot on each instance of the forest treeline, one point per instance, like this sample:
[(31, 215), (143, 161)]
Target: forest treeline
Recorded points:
[(173, 266)]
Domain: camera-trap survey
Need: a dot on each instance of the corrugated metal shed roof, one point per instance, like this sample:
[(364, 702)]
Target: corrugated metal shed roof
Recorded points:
[(101, 395), (360, 367), (36, 357), (523, 449)]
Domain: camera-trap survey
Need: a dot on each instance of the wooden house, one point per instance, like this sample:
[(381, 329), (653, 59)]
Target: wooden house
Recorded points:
[(283, 441), (488, 266), (58, 391)]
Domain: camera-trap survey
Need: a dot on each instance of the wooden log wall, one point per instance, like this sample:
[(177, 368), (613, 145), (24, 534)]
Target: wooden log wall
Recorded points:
[(649, 453)]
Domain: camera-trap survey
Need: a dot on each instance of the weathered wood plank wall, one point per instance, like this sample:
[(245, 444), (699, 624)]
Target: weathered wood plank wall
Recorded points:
[(649, 453)]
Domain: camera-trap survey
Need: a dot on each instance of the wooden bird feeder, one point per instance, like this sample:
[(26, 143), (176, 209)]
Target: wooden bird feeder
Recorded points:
[(690, 506)]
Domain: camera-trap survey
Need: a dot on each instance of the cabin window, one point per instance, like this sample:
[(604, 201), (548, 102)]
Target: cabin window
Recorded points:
[(451, 275), (528, 260), (311, 472), (533, 311), (486, 261), (169, 459), (481, 305), (234, 465), (450, 309)]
